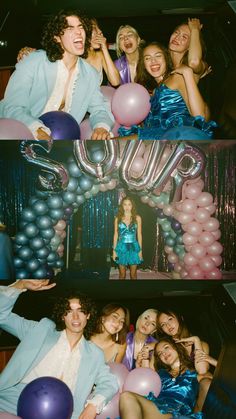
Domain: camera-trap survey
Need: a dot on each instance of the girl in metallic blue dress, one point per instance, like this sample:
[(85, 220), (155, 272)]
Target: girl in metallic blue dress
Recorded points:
[(127, 241), (176, 100), (179, 387)]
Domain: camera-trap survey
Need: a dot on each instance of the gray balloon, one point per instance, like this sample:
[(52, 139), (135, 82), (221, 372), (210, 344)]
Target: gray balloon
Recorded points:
[(25, 253), (31, 230), (40, 207), (69, 197), (54, 202), (44, 222), (48, 233), (74, 170), (21, 239), (28, 215), (72, 185), (85, 183), (36, 243), (32, 265)]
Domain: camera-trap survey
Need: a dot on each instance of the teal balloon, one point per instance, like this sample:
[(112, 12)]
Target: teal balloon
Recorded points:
[(56, 214), (74, 170), (31, 230), (48, 233), (59, 263), (179, 239), (25, 253), (178, 249), (55, 202), (40, 207), (36, 243), (40, 273), (169, 241), (44, 222), (181, 254), (80, 199), (69, 197), (72, 185), (28, 215), (22, 274), (173, 234), (166, 226), (43, 252), (52, 257), (32, 265), (18, 263), (85, 183), (21, 239), (55, 241)]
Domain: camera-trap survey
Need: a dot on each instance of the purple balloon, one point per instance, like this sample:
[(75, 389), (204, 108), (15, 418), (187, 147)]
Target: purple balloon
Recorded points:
[(45, 398), (63, 126), (11, 129), (111, 410), (143, 381), (120, 371)]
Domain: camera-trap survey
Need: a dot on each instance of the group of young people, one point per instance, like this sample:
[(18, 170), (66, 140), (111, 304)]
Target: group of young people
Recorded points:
[(76, 346), (62, 77)]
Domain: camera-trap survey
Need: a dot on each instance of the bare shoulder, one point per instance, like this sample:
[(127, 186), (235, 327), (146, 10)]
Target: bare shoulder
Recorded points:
[(205, 347)]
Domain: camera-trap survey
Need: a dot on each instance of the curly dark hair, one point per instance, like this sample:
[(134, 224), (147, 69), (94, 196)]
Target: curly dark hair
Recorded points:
[(56, 27), (142, 76), (106, 311), (185, 361), (62, 306), (121, 210)]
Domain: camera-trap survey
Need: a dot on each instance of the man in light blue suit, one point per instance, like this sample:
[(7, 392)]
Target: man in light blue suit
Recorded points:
[(57, 78), (55, 348)]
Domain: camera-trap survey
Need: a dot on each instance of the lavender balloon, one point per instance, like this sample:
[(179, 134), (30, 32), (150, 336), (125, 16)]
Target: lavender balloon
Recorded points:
[(45, 398), (143, 381)]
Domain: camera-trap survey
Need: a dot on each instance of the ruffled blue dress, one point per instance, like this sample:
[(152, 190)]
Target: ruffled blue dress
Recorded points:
[(178, 395), (168, 110), (127, 248)]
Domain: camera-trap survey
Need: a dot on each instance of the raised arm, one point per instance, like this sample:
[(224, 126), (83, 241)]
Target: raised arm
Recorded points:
[(109, 67), (195, 60)]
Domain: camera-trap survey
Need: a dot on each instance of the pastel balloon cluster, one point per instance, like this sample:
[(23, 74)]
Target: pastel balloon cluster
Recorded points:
[(201, 234), (38, 244), (140, 380)]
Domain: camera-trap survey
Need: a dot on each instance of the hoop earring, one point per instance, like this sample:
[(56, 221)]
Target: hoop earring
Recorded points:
[(117, 336)]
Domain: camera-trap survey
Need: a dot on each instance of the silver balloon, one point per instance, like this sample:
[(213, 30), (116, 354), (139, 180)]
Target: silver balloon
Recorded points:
[(59, 178), (107, 165), (145, 178)]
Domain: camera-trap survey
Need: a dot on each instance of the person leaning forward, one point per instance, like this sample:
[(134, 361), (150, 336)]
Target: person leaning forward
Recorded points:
[(58, 79), (55, 348)]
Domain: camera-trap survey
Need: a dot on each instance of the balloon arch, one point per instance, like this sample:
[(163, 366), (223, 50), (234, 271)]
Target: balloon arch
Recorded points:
[(166, 175)]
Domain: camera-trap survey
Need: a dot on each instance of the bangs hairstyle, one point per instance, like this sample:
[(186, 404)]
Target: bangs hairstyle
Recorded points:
[(183, 331), (106, 311), (142, 76), (56, 27), (153, 310), (185, 361), (62, 307), (119, 51), (121, 212), (202, 42)]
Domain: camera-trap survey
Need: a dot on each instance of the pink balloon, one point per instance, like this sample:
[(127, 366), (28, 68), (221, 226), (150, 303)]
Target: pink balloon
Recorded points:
[(168, 249), (111, 410), (190, 260), (183, 273), (196, 273), (192, 191), (172, 258), (194, 228), (214, 274), (60, 248), (62, 234), (215, 249), (188, 248), (206, 238), (108, 92), (130, 104), (198, 251), (216, 234), (185, 218), (120, 371), (204, 199), (189, 206), (4, 415), (143, 381), (211, 225), (115, 129), (137, 165), (189, 240), (201, 215), (200, 184), (178, 267), (206, 264), (178, 205), (11, 129), (217, 259), (85, 130), (168, 210), (211, 208)]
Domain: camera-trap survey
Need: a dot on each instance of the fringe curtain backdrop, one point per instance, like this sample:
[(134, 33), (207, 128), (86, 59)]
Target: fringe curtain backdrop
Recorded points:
[(17, 185)]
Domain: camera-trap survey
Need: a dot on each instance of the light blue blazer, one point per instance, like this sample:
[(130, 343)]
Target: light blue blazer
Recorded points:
[(37, 338), (32, 83)]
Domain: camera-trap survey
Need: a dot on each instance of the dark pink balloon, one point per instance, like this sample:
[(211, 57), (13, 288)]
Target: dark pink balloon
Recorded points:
[(201, 215), (217, 259), (189, 206), (120, 371), (206, 264), (130, 104), (111, 410), (143, 381), (215, 249), (193, 191), (214, 274), (189, 240), (196, 273), (198, 251), (194, 228), (204, 199), (211, 225), (206, 238), (11, 129)]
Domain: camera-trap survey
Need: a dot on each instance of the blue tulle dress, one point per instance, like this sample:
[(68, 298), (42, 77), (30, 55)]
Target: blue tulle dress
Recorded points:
[(178, 395), (168, 110), (127, 248)]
